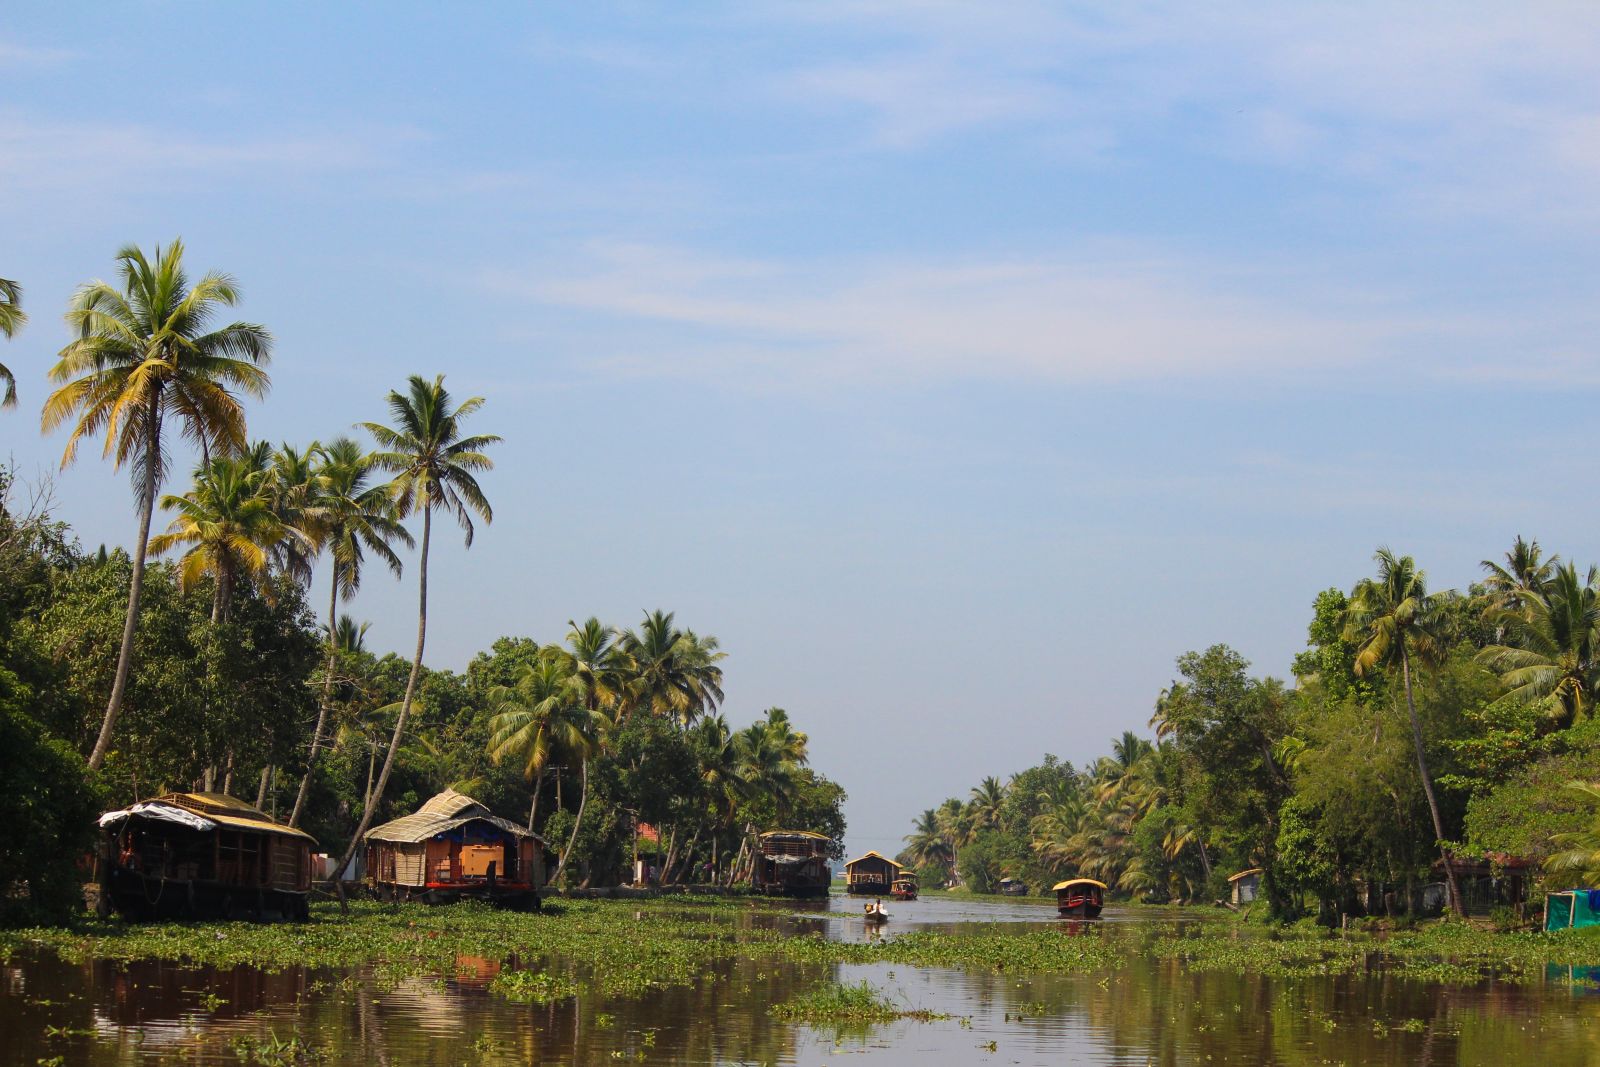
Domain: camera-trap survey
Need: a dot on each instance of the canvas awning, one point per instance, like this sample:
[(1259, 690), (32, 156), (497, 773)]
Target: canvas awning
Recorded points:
[(1069, 883), (154, 809)]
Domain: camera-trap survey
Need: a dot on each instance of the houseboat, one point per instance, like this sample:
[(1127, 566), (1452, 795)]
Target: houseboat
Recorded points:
[(454, 847), (1013, 887), (1080, 898), (792, 863), (904, 887), (203, 856), (870, 875)]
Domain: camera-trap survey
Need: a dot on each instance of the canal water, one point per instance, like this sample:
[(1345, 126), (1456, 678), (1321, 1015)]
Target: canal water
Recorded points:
[(1148, 1012)]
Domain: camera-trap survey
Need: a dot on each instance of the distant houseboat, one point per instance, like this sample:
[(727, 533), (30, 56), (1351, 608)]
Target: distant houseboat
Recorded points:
[(870, 875), (454, 847), (1080, 898), (792, 863), (203, 855), (904, 887), (1013, 887)]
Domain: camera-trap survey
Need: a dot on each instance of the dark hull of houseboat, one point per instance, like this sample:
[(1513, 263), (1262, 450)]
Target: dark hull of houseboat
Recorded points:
[(140, 898), (1082, 909), (512, 897), (904, 894), (799, 892), (868, 889)]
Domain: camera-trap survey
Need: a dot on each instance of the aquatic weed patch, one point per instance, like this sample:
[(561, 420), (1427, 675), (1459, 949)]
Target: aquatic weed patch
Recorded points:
[(836, 1002)]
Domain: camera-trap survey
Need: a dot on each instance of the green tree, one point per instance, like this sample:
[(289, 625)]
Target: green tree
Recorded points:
[(540, 715), (141, 358), (12, 318), (1551, 648), (674, 673), (1392, 619), (433, 467), (354, 517)]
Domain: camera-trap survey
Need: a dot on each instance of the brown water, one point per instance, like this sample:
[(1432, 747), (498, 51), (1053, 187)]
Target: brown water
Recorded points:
[(1150, 1012)]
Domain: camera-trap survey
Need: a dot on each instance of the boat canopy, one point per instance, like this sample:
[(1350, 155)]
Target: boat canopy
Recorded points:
[(1069, 883), (810, 834), (442, 813), (873, 856), (204, 812), (1244, 874)]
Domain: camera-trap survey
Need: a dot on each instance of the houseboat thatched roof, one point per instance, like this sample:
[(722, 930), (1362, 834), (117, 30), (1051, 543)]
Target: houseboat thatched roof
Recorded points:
[(1070, 882), (1244, 874), (873, 856), (810, 835), (205, 811), (442, 813)]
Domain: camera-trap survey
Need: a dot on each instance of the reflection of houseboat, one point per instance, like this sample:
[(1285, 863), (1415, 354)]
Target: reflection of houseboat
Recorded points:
[(453, 847), (904, 887), (204, 855), (871, 874), (1080, 898), (792, 863)]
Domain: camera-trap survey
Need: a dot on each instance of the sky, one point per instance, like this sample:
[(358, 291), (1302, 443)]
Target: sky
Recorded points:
[(958, 365)]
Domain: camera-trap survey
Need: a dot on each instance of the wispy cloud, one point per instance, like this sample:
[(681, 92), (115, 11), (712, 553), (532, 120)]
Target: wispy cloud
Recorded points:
[(1110, 315)]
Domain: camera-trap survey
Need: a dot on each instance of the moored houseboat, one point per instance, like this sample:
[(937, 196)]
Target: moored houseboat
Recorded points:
[(871, 874), (1080, 898), (792, 863), (454, 847), (203, 856), (904, 887)]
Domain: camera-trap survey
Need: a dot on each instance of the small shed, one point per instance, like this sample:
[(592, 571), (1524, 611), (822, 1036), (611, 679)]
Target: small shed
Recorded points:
[(1572, 908), (452, 847), (1246, 886), (870, 874)]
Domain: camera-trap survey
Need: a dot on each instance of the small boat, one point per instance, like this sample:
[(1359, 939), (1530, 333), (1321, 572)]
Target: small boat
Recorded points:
[(1080, 898), (875, 913), (1013, 887), (904, 887)]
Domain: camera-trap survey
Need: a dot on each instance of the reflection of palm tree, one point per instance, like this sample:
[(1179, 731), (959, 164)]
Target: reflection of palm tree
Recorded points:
[(433, 467), (11, 319), (354, 517), (142, 357), (1551, 643), (1392, 619)]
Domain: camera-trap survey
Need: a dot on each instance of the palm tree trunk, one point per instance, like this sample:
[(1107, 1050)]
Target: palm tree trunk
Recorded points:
[(538, 787), (327, 696), (405, 705), (583, 799), (1456, 902), (119, 685), (261, 792)]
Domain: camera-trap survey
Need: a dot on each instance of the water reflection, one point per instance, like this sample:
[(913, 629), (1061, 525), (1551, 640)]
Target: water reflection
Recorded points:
[(1151, 1011)]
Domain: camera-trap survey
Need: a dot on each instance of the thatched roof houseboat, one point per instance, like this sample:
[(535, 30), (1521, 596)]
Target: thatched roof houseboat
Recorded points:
[(203, 855), (871, 874), (453, 847), (792, 863)]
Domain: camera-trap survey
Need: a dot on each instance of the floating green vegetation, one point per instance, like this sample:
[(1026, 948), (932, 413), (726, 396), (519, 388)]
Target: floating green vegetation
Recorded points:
[(837, 1002)]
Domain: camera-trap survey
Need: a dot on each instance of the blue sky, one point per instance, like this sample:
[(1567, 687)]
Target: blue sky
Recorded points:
[(958, 365)]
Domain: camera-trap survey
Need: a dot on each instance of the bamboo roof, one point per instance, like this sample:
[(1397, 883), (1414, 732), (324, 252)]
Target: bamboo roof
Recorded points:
[(810, 834), (1244, 874), (873, 856), (442, 813), (1070, 882), (207, 811)]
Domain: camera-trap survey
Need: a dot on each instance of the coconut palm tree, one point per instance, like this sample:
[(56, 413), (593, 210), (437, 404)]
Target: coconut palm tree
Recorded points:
[(987, 803), (789, 744), (1551, 644), (674, 672), (1579, 857), (295, 490), (145, 357), (354, 517), (1525, 570), (765, 766), (1393, 620), (433, 467), (11, 319), (540, 715), (719, 763), (228, 526), (926, 846)]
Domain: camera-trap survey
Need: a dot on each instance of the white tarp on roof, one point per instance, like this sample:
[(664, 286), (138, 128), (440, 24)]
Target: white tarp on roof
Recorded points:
[(152, 809)]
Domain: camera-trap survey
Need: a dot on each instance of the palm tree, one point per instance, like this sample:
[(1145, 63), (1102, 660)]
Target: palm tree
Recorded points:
[(1392, 619), (1524, 571), (987, 802), (541, 714), (789, 744), (955, 822), (11, 319), (227, 523), (926, 846), (433, 469), (354, 517), (295, 493), (674, 672), (1551, 646), (764, 765), (1580, 854), (142, 357)]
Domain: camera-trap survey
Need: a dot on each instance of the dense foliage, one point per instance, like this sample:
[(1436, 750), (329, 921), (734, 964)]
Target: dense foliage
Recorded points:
[(1420, 725)]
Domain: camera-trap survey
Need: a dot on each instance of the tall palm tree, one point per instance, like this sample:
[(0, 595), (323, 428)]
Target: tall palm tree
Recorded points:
[(354, 517), (540, 715), (1526, 570), (433, 467), (765, 766), (674, 672), (294, 491), (926, 846), (786, 741), (718, 757), (1551, 643), (143, 357), (1579, 858), (1392, 620), (11, 319), (988, 801), (227, 524)]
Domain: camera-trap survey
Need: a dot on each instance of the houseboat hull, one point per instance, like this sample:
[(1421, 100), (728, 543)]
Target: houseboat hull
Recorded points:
[(512, 897), (142, 898), (868, 889), (1080, 909), (903, 894)]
